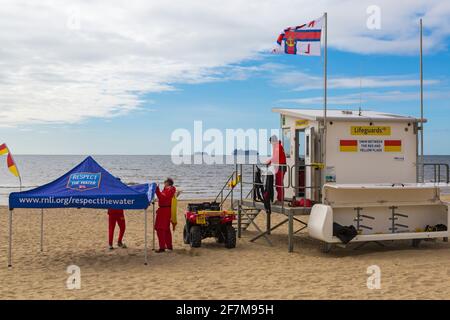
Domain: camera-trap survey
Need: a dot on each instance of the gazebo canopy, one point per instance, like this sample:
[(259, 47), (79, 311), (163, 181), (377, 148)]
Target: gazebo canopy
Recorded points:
[(87, 185)]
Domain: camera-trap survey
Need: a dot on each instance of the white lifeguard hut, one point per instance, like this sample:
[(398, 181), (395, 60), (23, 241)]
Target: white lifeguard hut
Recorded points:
[(361, 171), (359, 168), (358, 147)]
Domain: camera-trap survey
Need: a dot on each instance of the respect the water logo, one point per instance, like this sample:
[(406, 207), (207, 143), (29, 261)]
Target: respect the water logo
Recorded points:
[(83, 181)]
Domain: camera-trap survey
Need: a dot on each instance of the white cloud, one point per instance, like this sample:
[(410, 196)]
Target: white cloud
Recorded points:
[(366, 97), (66, 61), (301, 81)]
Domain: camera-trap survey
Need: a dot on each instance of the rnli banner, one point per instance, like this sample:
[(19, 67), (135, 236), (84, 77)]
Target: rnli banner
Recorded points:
[(302, 40)]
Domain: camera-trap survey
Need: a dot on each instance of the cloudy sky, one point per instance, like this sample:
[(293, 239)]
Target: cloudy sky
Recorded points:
[(115, 77)]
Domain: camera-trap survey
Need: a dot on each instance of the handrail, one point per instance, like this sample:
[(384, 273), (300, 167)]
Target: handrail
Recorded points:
[(317, 166), (437, 167), (221, 192), (437, 171), (290, 183), (284, 211), (224, 194), (226, 197), (290, 176)]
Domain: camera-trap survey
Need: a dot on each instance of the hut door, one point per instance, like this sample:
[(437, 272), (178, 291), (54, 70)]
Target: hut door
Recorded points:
[(300, 154), (310, 159)]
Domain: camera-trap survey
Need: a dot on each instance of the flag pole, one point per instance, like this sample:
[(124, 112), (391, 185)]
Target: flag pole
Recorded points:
[(18, 173), (324, 133), (422, 171)]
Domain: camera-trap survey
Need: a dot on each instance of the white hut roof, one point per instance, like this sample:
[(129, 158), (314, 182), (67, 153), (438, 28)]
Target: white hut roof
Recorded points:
[(346, 115)]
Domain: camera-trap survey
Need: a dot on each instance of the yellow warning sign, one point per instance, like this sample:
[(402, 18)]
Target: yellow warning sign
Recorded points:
[(370, 130), (301, 123)]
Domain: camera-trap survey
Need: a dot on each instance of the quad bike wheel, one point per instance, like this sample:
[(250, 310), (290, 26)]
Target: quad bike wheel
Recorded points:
[(230, 237), (195, 237), (186, 235)]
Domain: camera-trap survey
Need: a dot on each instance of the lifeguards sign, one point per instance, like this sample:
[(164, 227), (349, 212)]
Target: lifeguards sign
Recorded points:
[(301, 123), (370, 130)]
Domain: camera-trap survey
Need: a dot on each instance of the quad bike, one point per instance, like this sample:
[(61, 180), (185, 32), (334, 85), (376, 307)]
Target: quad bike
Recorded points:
[(205, 220)]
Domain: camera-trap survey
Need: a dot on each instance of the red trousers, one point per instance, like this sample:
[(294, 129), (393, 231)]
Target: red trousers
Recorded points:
[(162, 226), (164, 239), (279, 183), (120, 220)]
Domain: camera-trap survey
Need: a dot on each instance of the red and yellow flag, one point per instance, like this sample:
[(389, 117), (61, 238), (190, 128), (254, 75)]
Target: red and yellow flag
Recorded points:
[(3, 149), (12, 165), (9, 160)]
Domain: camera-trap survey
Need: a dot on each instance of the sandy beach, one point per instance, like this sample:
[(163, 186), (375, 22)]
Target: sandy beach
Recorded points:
[(251, 271)]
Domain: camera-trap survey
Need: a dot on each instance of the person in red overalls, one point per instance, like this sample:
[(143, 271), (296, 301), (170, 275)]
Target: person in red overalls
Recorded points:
[(278, 160), (116, 216), (163, 215)]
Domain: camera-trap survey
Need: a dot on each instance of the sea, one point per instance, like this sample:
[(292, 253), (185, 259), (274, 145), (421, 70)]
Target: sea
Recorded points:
[(197, 181)]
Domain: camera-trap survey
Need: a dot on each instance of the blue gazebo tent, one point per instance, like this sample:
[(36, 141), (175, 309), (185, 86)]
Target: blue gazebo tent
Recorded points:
[(88, 185)]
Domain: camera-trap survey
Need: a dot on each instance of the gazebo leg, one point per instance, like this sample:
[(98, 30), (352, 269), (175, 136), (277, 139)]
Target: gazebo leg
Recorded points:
[(10, 239), (42, 230), (145, 238)]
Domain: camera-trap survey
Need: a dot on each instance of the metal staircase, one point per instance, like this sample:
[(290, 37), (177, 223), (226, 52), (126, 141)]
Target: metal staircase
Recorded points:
[(226, 191), (247, 214), (248, 209)]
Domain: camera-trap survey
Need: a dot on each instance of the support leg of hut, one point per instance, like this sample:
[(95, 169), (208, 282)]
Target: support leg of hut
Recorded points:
[(268, 223), (239, 222), (290, 231)]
